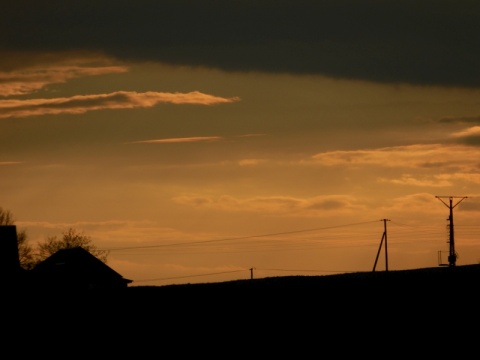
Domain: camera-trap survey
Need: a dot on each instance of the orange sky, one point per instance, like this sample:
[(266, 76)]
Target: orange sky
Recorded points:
[(199, 172)]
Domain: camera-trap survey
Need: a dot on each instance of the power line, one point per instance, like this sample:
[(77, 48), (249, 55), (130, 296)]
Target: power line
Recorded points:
[(236, 238), (305, 270), (396, 237), (236, 271), (190, 276), (278, 245)]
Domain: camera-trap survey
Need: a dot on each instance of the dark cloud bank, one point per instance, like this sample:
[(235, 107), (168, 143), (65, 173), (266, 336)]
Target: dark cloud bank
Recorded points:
[(431, 42)]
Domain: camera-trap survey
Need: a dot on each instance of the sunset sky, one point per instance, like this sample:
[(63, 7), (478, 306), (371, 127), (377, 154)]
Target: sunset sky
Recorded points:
[(205, 141)]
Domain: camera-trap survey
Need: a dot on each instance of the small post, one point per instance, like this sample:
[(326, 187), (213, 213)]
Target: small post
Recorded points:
[(384, 237), (386, 251)]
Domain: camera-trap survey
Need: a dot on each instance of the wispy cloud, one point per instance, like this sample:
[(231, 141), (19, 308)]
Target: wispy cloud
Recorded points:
[(470, 177), (415, 203), (410, 156), (251, 162), (472, 131), (117, 100), (281, 205), (199, 139), (29, 80), (251, 135), (468, 136), (179, 140), (435, 181), (460, 119), (412, 180), (9, 163)]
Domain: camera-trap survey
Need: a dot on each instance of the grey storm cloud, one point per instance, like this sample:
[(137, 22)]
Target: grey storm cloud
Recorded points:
[(430, 42)]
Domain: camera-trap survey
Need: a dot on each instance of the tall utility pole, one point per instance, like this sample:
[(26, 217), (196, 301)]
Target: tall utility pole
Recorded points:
[(384, 237), (452, 255)]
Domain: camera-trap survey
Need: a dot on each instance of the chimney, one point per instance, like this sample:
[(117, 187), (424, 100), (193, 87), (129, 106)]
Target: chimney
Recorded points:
[(9, 256)]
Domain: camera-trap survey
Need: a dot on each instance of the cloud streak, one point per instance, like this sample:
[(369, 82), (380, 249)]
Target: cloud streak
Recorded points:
[(4, 163), (410, 180), (280, 205), (30, 80), (472, 132), (410, 156), (199, 139), (179, 140), (397, 41), (80, 104)]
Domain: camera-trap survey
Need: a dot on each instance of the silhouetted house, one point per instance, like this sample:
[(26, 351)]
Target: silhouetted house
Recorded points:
[(76, 269)]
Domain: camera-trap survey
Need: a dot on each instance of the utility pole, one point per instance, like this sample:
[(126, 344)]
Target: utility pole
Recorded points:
[(452, 255), (384, 237)]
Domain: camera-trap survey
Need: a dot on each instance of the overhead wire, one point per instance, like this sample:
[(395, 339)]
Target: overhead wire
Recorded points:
[(235, 238), (406, 234)]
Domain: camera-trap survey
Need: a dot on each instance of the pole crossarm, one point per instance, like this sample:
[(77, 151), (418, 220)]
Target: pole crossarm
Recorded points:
[(451, 197)]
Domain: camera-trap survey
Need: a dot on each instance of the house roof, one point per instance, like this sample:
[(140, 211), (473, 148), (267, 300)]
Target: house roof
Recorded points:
[(77, 265)]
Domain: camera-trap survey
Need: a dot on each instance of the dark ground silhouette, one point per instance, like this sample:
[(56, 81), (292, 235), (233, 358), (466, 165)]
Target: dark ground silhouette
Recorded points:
[(455, 283), (452, 286), (421, 313)]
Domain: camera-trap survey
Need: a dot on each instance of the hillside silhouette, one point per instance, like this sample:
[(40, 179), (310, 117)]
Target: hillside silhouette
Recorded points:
[(73, 306), (456, 285), (426, 311), (454, 282)]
